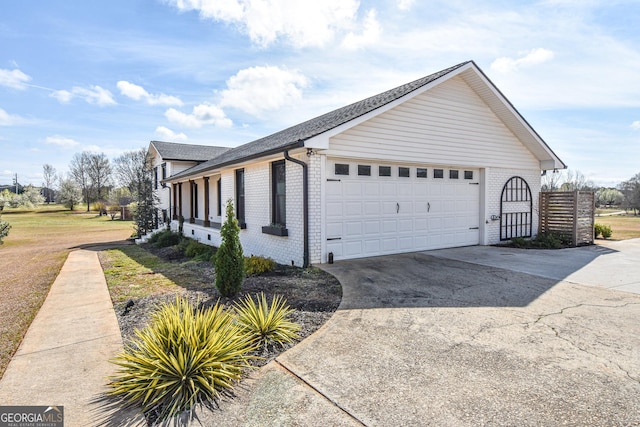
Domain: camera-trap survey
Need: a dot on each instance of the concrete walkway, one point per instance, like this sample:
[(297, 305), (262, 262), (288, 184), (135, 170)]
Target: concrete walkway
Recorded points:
[(63, 359)]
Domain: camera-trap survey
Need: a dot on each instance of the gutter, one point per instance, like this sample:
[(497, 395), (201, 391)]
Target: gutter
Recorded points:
[(305, 204)]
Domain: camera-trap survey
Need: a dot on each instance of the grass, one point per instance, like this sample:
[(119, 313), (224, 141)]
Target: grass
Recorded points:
[(623, 226), (133, 272), (31, 257)]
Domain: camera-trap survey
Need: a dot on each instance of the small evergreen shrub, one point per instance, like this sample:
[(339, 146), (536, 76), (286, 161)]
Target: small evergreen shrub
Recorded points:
[(257, 265), (229, 260), (597, 230), (185, 357), (519, 242), (264, 323), (167, 238)]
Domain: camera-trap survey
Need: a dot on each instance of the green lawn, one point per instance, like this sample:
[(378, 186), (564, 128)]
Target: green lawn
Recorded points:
[(32, 255), (623, 226)]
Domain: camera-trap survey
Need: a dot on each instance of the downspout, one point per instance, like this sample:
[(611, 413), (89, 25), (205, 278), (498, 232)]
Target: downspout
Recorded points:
[(305, 205)]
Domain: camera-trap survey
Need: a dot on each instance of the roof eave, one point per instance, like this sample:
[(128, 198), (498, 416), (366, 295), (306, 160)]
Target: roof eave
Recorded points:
[(216, 166)]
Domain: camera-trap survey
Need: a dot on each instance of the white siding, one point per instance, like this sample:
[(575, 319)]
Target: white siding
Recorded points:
[(449, 125)]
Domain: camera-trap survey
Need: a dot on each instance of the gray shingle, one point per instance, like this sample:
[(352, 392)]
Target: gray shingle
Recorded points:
[(187, 152), (296, 135)]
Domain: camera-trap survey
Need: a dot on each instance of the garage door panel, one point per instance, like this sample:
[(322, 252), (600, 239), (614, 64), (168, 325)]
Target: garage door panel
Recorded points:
[(383, 215), (371, 227), (389, 226)]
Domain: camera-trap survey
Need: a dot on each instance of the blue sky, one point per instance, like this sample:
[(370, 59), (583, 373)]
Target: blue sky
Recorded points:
[(111, 76)]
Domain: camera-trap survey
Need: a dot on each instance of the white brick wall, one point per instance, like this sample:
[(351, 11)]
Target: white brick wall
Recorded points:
[(315, 208), (284, 250), (495, 181)]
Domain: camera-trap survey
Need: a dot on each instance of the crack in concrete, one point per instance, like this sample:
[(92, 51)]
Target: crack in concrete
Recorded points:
[(542, 316), (584, 350), (327, 398)]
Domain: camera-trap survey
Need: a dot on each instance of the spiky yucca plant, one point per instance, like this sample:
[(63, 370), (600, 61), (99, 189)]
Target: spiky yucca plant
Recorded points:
[(265, 323), (184, 357)]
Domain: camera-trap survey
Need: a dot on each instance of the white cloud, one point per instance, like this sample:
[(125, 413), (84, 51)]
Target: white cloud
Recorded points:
[(7, 119), (405, 4), (635, 125), (533, 57), (93, 95), (15, 79), (61, 141), (258, 89), (203, 114), (137, 93), (302, 23), (167, 134), (370, 33)]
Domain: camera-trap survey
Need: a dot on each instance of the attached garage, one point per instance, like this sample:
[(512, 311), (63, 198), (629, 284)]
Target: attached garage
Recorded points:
[(421, 166), (379, 209)]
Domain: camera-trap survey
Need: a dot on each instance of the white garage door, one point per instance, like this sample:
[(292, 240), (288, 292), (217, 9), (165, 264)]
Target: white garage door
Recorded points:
[(377, 209)]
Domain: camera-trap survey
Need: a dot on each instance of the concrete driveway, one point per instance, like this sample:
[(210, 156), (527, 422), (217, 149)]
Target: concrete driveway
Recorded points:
[(464, 337)]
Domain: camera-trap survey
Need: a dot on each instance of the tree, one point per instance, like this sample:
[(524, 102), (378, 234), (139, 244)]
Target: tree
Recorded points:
[(79, 171), (99, 174), (127, 168), (229, 263), (134, 170), (631, 191), (551, 181), (575, 180), (69, 194), (49, 176), (609, 197), (30, 197), (6, 199)]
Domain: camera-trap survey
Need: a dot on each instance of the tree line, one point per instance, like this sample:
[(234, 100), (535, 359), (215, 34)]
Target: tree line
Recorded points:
[(625, 195)]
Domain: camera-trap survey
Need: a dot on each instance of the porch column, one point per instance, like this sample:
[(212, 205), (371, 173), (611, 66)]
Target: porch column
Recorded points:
[(180, 201), (192, 203), (207, 223), (174, 189)]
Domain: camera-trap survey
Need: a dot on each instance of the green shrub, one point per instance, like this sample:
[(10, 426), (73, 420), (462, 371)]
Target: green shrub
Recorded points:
[(185, 357), (167, 238), (548, 241), (520, 242), (257, 265), (198, 251), (155, 236), (604, 230), (265, 323), (229, 260), (4, 229)]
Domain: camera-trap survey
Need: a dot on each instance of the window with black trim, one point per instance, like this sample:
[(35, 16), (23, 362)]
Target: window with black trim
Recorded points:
[(403, 172), (240, 195), (438, 173), (195, 200), (364, 170), (164, 171), (421, 173), (341, 169), (384, 170), (453, 174), (278, 193), (219, 196), (468, 174), (155, 178)]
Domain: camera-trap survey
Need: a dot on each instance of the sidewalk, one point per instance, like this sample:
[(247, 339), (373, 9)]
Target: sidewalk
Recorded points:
[(63, 359)]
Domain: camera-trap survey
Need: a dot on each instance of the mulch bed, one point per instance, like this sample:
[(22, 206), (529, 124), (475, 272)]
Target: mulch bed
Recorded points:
[(314, 295)]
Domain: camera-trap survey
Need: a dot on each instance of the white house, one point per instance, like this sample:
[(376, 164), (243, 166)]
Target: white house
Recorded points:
[(169, 159), (443, 161)]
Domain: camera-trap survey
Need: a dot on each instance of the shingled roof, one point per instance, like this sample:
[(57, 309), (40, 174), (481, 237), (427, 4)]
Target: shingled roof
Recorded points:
[(187, 152), (296, 135)]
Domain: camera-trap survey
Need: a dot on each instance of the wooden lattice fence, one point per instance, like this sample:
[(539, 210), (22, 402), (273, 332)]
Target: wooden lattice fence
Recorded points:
[(569, 213)]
